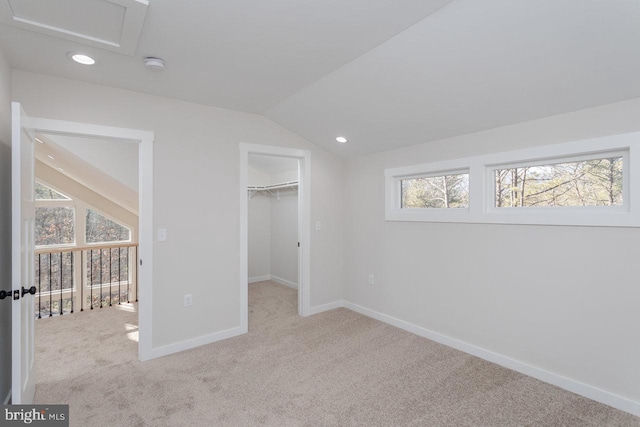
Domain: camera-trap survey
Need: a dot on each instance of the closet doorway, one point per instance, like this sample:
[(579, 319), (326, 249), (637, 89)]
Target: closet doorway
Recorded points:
[(275, 221), (272, 187)]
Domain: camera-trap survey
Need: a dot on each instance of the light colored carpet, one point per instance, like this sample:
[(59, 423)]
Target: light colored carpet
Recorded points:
[(337, 368)]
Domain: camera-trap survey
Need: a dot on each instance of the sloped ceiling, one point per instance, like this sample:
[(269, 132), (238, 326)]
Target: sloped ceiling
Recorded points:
[(383, 73), (104, 181), (473, 65)]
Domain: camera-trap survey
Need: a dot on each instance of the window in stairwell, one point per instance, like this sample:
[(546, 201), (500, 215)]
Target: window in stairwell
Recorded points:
[(43, 192), (100, 229), (54, 217)]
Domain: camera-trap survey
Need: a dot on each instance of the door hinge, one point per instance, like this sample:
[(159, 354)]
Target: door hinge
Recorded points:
[(298, 244), (140, 261)]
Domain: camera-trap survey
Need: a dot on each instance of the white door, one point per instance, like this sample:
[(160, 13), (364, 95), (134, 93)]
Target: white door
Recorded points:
[(22, 258)]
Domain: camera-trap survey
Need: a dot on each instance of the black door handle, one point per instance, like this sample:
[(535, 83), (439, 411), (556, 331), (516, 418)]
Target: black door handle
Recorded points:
[(31, 290)]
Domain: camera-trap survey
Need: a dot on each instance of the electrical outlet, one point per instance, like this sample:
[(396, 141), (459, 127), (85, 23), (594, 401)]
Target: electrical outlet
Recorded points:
[(162, 234), (188, 300), (371, 280), (318, 226)]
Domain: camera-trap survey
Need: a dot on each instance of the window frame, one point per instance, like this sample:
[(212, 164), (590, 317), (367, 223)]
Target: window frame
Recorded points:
[(482, 169)]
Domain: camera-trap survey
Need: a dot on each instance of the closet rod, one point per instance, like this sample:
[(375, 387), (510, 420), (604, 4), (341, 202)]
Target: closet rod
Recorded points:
[(273, 186)]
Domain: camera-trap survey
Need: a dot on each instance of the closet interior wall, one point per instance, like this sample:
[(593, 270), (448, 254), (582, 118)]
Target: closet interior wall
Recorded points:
[(273, 227)]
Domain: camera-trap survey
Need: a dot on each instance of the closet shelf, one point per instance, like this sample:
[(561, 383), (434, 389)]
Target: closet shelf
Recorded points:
[(253, 189), (288, 184)]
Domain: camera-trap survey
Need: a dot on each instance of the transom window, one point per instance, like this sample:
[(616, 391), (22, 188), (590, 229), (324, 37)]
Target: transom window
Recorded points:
[(442, 191), (42, 192), (577, 183), (594, 182), (101, 229)]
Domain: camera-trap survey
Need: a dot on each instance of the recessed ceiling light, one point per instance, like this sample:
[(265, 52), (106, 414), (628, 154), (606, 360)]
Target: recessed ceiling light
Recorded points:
[(51, 157), (341, 139), (153, 64), (81, 58)]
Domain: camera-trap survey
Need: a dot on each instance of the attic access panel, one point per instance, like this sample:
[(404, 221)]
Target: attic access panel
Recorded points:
[(106, 24)]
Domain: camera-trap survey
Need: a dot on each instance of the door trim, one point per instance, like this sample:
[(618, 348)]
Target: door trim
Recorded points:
[(145, 214), (304, 225)]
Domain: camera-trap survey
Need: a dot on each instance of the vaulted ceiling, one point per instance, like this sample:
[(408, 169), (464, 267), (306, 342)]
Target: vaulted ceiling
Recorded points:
[(383, 73)]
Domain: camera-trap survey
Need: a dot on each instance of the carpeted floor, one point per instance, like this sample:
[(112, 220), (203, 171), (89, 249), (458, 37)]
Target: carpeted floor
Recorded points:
[(336, 368)]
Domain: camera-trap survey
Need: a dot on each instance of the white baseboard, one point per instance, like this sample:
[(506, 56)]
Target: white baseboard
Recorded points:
[(325, 307), (195, 342), (285, 282), (276, 279), (577, 387), (8, 398)]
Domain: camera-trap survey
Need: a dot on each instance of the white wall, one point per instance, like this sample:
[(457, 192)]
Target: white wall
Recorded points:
[(196, 186), (259, 228), (284, 237), (561, 299), (5, 225)]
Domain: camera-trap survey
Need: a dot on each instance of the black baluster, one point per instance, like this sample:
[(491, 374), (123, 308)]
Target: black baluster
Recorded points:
[(39, 286), (128, 275), (71, 254), (101, 281), (119, 276), (91, 285), (61, 280), (110, 275), (83, 278), (50, 296)]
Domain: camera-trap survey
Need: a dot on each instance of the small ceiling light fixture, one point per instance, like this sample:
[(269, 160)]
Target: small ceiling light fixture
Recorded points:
[(153, 64), (341, 139), (38, 140), (81, 58), (51, 157)]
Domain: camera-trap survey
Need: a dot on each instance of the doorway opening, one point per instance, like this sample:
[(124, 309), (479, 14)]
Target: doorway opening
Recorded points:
[(113, 209), (274, 180), (272, 235), (86, 224)]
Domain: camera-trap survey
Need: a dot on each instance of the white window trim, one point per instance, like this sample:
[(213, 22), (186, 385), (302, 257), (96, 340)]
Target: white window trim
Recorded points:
[(482, 192)]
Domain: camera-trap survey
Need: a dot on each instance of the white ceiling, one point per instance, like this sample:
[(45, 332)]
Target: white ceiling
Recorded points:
[(107, 24), (383, 73), (245, 55)]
